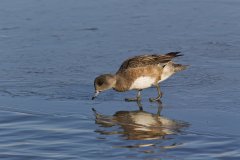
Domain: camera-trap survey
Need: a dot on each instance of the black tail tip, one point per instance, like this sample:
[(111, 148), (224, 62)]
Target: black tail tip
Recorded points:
[(174, 54)]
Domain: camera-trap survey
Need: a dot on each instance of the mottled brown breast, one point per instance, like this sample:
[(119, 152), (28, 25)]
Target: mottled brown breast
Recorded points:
[(127, 77)]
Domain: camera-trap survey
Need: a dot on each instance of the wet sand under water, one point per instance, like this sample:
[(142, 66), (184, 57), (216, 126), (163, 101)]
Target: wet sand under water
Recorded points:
[(50, 52)]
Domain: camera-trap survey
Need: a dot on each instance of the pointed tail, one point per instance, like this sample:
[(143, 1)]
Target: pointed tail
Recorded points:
[(180, 67)]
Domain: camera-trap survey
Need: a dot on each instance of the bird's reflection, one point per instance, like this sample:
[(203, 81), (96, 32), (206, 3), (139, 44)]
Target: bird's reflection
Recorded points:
[(140, 125)]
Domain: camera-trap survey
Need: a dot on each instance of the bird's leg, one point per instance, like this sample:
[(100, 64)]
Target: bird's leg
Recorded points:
[(138, 98), (160, 106), (159, 94), (140, 105)]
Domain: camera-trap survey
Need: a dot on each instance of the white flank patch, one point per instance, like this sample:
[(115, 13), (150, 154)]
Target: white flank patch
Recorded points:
[(164, 77), (142, 82), (167, 72)]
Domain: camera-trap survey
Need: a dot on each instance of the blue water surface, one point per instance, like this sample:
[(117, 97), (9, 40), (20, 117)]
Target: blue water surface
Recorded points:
[(51, 51)]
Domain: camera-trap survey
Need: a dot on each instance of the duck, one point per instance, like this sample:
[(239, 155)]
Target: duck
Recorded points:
[(138, 73)]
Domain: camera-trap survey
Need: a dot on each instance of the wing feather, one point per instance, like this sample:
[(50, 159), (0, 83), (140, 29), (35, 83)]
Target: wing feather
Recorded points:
[(146, 60)]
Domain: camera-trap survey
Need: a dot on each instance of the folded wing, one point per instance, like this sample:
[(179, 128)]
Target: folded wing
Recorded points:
[(146, 60)]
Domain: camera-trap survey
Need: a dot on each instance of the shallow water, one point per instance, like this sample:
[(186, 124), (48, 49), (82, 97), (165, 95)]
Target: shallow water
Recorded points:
[(50, 52)]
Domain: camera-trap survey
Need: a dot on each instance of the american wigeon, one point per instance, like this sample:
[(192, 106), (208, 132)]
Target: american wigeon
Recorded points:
[(138, 73)]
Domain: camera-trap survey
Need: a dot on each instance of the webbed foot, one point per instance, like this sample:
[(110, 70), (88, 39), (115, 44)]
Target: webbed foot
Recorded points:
[(157, 98)]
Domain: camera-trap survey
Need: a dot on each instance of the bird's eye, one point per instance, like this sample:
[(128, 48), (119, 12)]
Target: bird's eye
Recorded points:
[(100, 82)]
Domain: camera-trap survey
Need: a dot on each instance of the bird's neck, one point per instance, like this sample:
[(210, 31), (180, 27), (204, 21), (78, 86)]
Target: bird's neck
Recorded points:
[(114, 80), (120, 84)]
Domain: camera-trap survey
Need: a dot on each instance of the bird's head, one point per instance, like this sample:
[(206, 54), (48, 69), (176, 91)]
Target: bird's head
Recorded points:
[(103, 82)]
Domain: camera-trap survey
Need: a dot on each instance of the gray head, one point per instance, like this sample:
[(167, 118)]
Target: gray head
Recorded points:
[(103, 82)]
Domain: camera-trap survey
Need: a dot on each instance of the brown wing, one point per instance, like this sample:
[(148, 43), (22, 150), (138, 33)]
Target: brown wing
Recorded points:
[(145, 60)]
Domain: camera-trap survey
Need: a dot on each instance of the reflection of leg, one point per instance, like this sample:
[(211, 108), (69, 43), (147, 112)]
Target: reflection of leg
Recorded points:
[(138, 98), (159, 95), (160, 106), (140, 105)]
